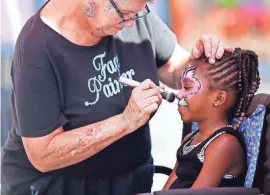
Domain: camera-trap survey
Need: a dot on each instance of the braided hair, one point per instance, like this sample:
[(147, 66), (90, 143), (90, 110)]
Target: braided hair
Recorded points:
[(238, 71)]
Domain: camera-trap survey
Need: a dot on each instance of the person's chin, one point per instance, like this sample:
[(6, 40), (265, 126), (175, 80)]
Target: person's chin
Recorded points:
[(113, 32), (185, 115), (186, 119)]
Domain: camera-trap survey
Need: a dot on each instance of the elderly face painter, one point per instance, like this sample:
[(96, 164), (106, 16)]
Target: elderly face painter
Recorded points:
[(76, 130)]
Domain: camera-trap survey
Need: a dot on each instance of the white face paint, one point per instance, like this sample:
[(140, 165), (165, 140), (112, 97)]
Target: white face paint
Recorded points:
[(182, 103)]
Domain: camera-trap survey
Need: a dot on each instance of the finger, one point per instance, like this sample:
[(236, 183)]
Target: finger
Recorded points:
[(197, 51), (147, 84), (153, 92), (161, 86), (194, 52), (144, 85), (220, 51), (153, 99), (150, 92), (151, 108), (160, 97), (214, 47), (228, 49), (206, 42), (200, 50)]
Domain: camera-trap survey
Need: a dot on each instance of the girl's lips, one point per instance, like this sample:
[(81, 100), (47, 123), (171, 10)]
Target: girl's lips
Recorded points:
[(181, 109)]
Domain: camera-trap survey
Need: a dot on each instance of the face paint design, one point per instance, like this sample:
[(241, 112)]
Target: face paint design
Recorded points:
[(182, 102), (194, 85), (89, 9)]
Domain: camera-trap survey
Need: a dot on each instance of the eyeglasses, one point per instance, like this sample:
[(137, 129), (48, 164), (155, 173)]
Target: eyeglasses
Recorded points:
[(139, 15)]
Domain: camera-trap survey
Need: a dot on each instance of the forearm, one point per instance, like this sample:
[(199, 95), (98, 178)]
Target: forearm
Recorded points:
[(76, 145), (169, 74), (171, 178)]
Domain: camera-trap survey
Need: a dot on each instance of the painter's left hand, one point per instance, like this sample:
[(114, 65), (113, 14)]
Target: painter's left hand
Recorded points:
[(211, 46)]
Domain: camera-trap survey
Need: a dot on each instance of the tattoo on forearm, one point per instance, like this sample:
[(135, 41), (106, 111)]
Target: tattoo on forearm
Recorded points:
[(81, 144)]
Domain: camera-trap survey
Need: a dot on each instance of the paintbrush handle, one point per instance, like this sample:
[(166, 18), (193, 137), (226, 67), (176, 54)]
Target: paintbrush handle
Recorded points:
[(133, 83), (128, 82)]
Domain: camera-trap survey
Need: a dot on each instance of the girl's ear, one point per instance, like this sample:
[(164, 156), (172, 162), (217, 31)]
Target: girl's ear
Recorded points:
[(221, 98)]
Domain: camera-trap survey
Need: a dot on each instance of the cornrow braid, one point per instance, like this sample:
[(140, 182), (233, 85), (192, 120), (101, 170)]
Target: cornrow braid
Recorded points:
[(237, 70)]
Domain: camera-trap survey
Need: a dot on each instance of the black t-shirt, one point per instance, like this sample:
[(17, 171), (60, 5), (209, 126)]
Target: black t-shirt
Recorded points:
[(57, 83)]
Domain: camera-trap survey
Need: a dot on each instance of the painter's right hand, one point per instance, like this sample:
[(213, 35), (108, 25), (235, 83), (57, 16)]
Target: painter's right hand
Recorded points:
[(145, 99)]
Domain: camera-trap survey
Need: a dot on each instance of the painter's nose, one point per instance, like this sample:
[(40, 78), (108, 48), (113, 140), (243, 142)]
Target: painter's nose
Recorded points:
[(129, 23)]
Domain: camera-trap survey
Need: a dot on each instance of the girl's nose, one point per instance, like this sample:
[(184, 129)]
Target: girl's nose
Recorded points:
[(180, 94)]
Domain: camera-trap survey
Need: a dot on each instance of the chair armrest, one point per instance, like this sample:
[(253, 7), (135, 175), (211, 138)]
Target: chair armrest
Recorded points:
[(211, 191), (163, 170)]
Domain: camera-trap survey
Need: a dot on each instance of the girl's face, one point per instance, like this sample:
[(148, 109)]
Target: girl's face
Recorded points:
[(195, 100)]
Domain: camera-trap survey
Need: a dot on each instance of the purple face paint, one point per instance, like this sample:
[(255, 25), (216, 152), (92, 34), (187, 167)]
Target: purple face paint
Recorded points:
[(191, 85), (89, 9)]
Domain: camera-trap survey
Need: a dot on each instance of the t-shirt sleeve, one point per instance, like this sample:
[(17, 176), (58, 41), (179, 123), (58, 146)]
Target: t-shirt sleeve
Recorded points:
[(163, 39), (35, 100)]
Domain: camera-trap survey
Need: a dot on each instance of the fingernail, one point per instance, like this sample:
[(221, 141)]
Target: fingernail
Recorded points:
[(219, 55), (209, 54), (212, 61)]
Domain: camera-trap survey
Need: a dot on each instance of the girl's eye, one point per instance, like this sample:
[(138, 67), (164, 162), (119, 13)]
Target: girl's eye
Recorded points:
[(187, 88)]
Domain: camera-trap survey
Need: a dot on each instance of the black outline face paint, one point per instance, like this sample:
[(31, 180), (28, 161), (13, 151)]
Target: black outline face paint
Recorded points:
[(189, 74)]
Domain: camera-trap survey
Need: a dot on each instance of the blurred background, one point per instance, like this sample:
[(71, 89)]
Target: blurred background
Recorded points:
[(238, 23)]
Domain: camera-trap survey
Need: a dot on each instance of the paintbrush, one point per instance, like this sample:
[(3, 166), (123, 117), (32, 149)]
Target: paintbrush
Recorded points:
[(132, 83)]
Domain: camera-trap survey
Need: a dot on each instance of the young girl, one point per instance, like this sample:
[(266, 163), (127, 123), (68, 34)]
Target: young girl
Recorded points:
[(212, 95)]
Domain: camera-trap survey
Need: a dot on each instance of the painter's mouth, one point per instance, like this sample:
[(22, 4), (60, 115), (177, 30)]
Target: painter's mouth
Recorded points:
[(182, 103), (119, 27)]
